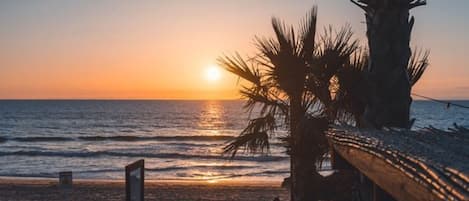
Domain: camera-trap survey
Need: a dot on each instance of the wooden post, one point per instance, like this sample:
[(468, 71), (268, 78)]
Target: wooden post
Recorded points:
[(134, 181), (381, 195), (338, 162), (65, 179)]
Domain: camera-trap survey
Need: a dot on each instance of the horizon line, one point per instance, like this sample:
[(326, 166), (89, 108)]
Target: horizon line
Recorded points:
[(164, 99), (116, 99)]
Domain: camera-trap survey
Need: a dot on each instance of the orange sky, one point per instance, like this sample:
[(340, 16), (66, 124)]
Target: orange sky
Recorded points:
[(160, 49)]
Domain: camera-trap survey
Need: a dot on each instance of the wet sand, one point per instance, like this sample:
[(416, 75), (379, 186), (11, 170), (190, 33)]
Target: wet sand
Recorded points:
[(47, 189)]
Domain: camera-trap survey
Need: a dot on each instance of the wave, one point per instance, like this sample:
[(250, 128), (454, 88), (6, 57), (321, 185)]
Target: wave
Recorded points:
[(205, 167), (192, 144), (41, 139), (271, 172), (194, 176), (122, 170), (49, 127), (158, 138), (175, 168), (223, 167), (41, 175), (122, 138), (142, 155)]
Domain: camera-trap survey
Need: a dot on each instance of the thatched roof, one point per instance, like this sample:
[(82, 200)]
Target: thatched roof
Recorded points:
[(437, 159)]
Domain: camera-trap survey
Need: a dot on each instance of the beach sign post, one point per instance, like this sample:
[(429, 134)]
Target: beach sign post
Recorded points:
[(65, 179), (134, 181)]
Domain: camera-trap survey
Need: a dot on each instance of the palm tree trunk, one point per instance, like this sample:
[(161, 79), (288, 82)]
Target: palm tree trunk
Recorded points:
[(304, 178), (304, 184), (389, 31)]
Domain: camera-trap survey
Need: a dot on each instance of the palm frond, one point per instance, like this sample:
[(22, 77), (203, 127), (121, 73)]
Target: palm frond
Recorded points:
[(238, 66), (334, 51), (351, 97), (308, 33), (264, 99), (418, 63), (340, 41), (268, 48), (281, 55), (359, 60), (254, 138), (319, 87), (285, 36)]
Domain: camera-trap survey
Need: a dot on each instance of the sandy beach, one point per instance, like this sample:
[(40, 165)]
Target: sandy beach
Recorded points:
[(22, 189)]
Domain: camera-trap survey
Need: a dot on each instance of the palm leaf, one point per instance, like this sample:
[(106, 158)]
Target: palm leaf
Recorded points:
[(282, 58), (254, 138), (308, 34), (285, 36), (238, 66), (418, 63), (334, 51), (268, 104)]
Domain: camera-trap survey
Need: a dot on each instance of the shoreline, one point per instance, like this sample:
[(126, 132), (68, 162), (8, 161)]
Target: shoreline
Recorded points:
[(224, 182), (33, 188)]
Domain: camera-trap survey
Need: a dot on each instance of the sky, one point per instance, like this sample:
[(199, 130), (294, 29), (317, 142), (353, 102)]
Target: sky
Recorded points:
[(106, 49)]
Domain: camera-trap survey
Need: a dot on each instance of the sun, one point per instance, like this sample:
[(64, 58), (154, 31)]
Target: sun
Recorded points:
[(213, 73)]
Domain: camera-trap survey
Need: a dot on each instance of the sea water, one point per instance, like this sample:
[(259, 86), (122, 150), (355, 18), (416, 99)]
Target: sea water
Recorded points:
[(179, 140)]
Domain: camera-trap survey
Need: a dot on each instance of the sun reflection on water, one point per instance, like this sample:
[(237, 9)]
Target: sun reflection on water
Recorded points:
[(211, 121), (211, 118), (212, 181), (207, 176)]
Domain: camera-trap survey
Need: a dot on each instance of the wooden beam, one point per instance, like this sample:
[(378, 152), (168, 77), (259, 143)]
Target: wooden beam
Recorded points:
[(390, 179), (338, 162)]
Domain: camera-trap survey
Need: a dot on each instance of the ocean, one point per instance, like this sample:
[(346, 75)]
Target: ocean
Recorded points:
[(179, 140)]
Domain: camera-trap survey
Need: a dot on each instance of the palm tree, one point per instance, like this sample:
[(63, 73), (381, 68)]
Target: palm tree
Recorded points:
[(289, 79), (306, 84), (388, 31)]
